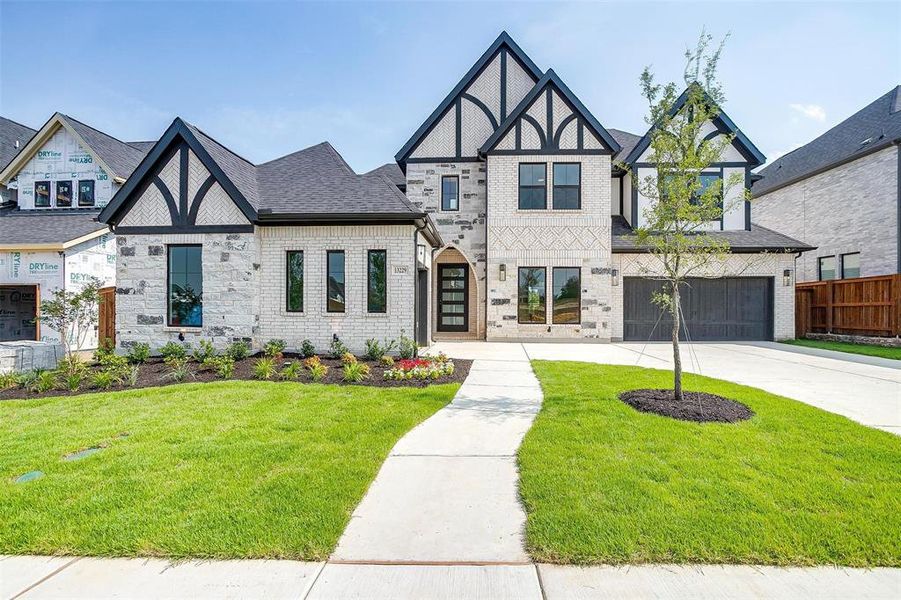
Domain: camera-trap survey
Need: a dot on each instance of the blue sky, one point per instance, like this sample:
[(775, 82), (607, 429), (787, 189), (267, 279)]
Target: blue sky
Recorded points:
[(269, 78)]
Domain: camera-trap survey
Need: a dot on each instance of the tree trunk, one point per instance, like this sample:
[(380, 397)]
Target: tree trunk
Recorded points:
[(677, 358)]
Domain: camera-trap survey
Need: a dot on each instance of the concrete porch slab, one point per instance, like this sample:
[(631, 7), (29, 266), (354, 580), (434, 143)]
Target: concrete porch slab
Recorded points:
[(481, 350)]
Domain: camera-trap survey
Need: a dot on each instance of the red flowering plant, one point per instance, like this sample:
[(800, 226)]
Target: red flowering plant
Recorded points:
[(419, 368)]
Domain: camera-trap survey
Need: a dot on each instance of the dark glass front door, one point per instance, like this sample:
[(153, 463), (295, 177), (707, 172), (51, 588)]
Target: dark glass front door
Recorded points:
[(453, 299)]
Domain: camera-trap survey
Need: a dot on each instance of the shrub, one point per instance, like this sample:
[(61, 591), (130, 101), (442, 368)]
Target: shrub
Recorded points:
[(138, 353), (130, 375), (406, 347), (44, 381), (70, 365), (104, 349), (307, 349), (8, 380), (178, 367), (386, 361), (104, 380), (318, 371), (223, 365), (274, 348), (73, 381), (348, 359), (313, 360), (420, 368), (173, 350), (337, 348), (27, 379), (264, 368), (375, 350), (205, 351), (238, 350), (355, 372), (291, 371)]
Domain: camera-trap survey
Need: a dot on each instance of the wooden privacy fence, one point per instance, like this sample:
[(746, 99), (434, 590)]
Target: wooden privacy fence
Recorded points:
[(863, 306), (106, 325)]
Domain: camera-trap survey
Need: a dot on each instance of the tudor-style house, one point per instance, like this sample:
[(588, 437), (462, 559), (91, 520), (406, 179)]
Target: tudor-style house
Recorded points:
[(54, 185), (532, 196)]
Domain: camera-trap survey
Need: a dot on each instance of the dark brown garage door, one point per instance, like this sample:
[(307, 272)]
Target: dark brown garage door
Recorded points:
[(728, 309)]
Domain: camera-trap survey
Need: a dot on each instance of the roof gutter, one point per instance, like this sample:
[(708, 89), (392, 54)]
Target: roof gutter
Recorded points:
[(419, 219)]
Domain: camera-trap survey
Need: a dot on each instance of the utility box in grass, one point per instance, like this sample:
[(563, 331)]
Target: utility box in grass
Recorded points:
[(16, 357)]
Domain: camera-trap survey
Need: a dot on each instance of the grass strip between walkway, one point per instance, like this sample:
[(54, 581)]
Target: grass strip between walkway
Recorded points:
[(604, 483), (221, 470), (865, 349)]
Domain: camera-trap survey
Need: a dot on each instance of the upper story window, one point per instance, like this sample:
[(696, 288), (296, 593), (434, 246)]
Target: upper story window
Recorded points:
[(532, 186), (707, 180), (64, 193), (851, 265), (294, 281), (334, 282), (377, 281), (185, 283), (567, 186), (86, 192), (42, 193), (826, 267), (450, 192)]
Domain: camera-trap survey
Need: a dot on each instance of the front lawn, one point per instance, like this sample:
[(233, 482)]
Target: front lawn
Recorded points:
[(604, 483), (224, 470), (866, 349)]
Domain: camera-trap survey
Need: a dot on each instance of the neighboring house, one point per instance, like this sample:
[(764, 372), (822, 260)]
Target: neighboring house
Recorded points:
[(211, 246), (841, 192), (13, 137), (49, 236), (531, 193)]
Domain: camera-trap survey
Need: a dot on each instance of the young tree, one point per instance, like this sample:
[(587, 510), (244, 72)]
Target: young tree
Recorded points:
[(73, 315), (682, 202)]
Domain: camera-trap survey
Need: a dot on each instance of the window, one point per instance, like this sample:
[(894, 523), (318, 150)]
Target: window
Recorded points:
[(86, 192), (294, 281), (185, 286), (335, 281), (851, 265), (64, 193), (826, 267), (567, 186), (567, 295), (707, 180), (532, 306), (450, 192), (42, 193), (377, 281), (532, 186)]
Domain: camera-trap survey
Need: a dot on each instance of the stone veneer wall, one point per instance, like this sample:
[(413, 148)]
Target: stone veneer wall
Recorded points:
[(736, 265), (851, 208), (549, 238), (355, 325), (464, 229), (231, 280)]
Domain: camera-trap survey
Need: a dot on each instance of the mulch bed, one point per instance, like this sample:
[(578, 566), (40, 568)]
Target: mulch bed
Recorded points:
[(699, 407), (155, 373)]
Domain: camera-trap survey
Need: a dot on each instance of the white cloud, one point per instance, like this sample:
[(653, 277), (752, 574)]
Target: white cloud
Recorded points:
[(811, 111)]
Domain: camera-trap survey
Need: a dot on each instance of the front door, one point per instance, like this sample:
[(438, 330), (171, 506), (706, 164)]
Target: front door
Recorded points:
[(453, 297)]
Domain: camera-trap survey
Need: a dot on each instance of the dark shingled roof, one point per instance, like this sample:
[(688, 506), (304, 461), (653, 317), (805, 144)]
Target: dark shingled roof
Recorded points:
[(143, 146), (121, 157), (877, 125), (47, 226), (758, 239), (10, 133), (626, 140), (393, 173)]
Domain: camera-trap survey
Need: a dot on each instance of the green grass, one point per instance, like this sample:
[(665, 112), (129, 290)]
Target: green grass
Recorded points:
[(604, 483), (865, 349), (220, 470)]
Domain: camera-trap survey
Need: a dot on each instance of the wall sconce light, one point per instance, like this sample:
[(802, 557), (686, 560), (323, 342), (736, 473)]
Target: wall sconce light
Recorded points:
[(614, 274), (787, 277), (502, 274)]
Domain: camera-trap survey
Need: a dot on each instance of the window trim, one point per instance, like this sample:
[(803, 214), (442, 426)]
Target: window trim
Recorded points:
[(93, 192), (457, 178), (369, 274), (520, 186), (303, 289), (553, 298), (169, 286), (328, 253), (820, 267), (49, 194), (56, 196), (554, 186), (544, 323), (841, 264)]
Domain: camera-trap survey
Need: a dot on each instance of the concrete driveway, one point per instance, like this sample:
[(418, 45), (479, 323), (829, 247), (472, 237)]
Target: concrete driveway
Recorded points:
[(865, 389)]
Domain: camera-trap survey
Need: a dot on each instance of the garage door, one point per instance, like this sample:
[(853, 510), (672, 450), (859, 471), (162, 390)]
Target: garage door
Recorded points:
[(732, 308)]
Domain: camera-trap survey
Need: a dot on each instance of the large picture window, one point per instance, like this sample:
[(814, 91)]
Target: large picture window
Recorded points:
[(42, 193), (185, 279), (335, 301), (450, 193), (826, 267), (567, 295), (294, 281), (532, 305), (532, 186), (64, 193), (377, 281), (851, 265), (567, 186), (86, 192)]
